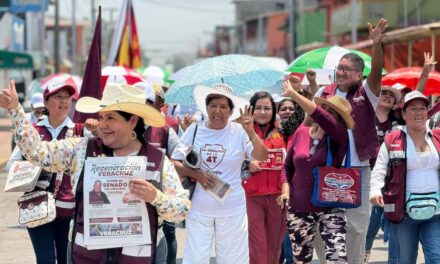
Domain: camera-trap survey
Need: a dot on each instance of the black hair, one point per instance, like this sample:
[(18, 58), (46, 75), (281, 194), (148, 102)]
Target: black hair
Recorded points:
[(211, 97), (262, 95), (283, 101), (139, 129), (357, 61)]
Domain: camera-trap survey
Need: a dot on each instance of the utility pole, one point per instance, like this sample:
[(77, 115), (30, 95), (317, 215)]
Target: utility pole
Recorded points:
[(42, 38), (354, 36), (57, 38), (73, 71), (292, 30)]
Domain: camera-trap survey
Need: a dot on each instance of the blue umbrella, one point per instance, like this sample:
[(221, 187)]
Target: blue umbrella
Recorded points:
[(244, 73)]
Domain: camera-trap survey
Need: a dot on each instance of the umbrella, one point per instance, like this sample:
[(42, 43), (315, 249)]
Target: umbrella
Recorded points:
[(326, 58), (119, 74), (410, 76), (154, 75), (77, 80), (244, 73)]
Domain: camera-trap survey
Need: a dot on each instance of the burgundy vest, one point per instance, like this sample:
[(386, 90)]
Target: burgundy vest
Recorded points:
[(64, 199), (395, 181), (265, 182), (364, 131), (80, 254), (157, 136)]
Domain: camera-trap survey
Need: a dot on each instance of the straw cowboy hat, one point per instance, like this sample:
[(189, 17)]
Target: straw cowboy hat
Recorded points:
[(340, 105), (201, 92), (125, 98)]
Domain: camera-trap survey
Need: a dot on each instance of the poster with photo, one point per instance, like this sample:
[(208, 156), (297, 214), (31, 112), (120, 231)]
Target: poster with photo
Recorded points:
[(113, 216)]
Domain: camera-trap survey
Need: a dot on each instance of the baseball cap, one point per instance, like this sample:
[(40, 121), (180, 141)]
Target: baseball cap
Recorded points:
[(37, 100), (413, 96), (57, 84)]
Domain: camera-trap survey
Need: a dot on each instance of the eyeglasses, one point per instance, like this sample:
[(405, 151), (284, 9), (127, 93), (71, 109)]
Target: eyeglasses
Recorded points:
[(345, 68)]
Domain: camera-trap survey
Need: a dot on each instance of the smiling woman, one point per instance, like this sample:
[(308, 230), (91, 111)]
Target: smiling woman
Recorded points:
[(122, 111)]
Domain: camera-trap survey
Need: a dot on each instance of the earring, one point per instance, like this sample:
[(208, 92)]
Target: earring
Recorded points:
[(133, 135)]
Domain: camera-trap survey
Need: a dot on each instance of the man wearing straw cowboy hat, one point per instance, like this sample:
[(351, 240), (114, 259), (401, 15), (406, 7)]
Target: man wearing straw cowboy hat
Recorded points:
[(122, 116), (363, 97)]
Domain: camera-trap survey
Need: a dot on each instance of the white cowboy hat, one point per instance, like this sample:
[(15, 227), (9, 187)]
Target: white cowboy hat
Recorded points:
[(125, 98), (340, 105), (201, 92), (396, 93)]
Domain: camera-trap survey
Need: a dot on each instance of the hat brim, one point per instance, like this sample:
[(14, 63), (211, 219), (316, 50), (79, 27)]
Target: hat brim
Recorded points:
[(349, 122), (38, 105), (150, 115), (396, 93), (201, 92)]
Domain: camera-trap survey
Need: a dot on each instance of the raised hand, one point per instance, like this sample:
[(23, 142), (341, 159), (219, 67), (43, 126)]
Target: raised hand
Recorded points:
[(429, 64), (288, 90), (311, 75), (377, 33), (246, 120), (8, 97)]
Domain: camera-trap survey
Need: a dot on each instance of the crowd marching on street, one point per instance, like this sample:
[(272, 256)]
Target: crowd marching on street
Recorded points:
[(262, 181)]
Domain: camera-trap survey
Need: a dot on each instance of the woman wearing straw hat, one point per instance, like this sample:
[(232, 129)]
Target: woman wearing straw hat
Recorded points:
[(121, 111), (307, 150), (222, 146)]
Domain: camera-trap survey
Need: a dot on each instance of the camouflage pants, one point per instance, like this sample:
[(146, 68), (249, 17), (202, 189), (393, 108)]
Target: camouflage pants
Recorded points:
[(332, 226)]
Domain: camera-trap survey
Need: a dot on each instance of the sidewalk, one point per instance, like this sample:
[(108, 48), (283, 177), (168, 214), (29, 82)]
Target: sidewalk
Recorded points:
[(5, 141)]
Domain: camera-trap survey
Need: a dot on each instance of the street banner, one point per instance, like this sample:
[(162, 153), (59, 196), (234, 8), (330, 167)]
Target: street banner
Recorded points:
[(113, 216)]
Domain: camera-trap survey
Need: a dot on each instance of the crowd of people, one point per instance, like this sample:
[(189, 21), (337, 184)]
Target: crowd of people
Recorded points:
[(251, 166)]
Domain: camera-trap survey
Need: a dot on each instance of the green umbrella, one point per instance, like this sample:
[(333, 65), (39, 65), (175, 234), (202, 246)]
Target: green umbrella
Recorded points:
[(326, 58)]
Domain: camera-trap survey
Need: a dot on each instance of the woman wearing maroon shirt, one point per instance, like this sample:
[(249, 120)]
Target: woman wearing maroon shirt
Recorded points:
[(307, 150)]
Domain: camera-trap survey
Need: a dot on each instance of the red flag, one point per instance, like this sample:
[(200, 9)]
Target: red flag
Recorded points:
[(125, 49), (91, 85)]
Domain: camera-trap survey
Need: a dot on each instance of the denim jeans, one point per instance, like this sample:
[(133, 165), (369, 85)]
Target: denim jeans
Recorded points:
[(286, 251), (169, 230), (48, 239), (409, 233), (374, 226)]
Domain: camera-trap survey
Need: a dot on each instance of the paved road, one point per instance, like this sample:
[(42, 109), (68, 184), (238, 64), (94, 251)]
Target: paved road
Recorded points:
[(15, 246)]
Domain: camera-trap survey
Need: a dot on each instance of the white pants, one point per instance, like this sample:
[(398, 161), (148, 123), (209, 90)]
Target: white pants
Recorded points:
[(231, 239), (357, 226)]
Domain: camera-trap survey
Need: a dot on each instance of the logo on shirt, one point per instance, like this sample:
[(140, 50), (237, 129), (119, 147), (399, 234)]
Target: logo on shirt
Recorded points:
[(212, 155)]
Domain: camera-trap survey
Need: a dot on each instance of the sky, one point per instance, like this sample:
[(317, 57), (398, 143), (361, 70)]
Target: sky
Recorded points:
[(165, 27)]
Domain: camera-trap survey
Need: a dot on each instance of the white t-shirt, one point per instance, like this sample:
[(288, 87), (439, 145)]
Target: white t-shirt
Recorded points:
[(222, 152), (374, 100)]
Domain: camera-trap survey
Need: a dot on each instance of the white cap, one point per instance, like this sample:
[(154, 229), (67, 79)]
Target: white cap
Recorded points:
[(37, 100), (414, 95), (148, 90)]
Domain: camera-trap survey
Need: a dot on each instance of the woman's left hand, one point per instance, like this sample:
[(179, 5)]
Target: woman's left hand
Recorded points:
[(283, 200), (143, 189), (247, 121)]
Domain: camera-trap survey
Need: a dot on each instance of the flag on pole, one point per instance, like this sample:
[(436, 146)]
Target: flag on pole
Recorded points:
[(125, 50), (91, 85)]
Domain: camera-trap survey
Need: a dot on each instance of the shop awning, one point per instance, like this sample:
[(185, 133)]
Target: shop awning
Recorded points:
[(15, 60)]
